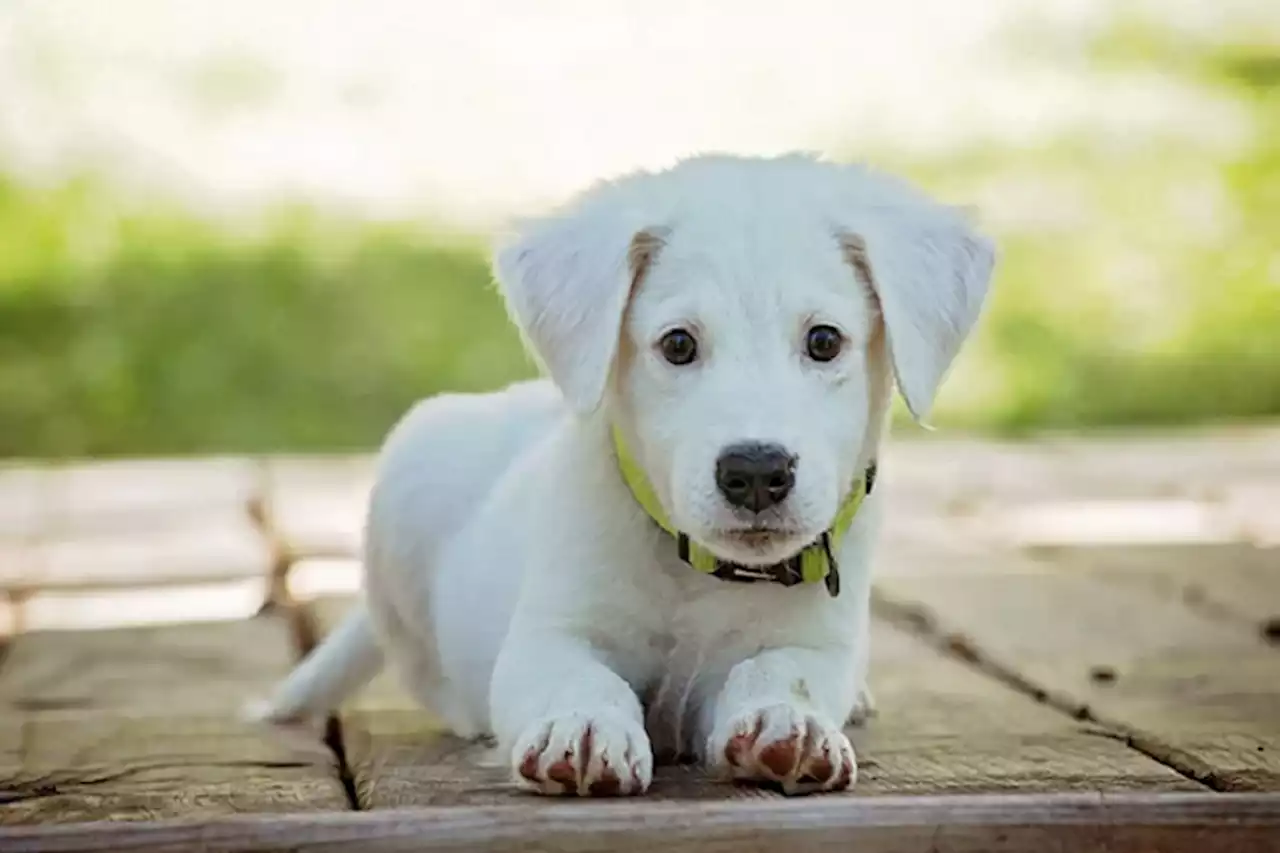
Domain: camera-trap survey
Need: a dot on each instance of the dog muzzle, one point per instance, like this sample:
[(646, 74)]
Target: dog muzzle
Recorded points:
[(816, 563)]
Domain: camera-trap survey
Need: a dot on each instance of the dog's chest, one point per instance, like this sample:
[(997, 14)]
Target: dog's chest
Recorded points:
[(711, 626)]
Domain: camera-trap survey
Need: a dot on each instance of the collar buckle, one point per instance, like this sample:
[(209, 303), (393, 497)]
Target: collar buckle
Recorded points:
[(832, 579), (746, 574)]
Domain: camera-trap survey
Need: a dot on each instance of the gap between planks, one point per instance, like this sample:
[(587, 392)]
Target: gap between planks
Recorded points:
[(951, 634), (919, 622), (142, 723), (944, 728), (955, 645), (306, 637)]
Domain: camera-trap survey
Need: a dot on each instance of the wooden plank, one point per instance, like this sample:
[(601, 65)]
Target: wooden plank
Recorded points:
[(14, 563), (946, 727), (217, 544), (192, 667), (956, 473), (1103, 522), (1239, 581), (143, 724), (1216, 487), (24, 508), (318, 578), (119, 523), (138, 492), (9, 621), (1125, 823), (315, 505), (99, 609), (78, 767), (943, 727), (1201, 464), (1191, 463), (109, 494), (1202, 487), (1251, 504), (1199, 693), (397, 753)]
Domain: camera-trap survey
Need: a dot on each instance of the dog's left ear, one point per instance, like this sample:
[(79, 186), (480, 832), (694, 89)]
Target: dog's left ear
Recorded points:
[(567, 281), (930, 270)]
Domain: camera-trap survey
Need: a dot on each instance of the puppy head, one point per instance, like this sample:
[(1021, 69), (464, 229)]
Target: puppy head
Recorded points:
[(742, 320)]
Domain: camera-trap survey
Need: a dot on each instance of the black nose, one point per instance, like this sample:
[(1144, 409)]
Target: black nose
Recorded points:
[(755, 475)]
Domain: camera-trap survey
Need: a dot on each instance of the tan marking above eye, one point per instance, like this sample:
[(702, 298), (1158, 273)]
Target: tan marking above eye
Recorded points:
[(644, 248), (854, 249)]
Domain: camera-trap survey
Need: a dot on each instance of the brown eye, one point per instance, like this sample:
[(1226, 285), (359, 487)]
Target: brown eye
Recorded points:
[(824, 343), (678, 347)]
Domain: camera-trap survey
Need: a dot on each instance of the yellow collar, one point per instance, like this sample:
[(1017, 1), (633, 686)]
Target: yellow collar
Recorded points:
[(815, 563)]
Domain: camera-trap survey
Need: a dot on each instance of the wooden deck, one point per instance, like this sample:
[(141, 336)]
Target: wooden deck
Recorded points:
[(1077, 647)]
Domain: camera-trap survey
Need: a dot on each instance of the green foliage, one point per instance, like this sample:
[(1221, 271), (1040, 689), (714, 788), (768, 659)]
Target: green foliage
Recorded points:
[(1139, 283), (1145, 286), (122, 333)]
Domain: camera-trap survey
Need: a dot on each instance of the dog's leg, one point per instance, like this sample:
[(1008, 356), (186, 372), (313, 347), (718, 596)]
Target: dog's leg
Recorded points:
[(864, 703), (572, 724), (779, 720)]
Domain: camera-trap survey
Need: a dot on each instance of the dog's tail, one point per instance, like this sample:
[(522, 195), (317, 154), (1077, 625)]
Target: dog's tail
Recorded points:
[(347, 659)]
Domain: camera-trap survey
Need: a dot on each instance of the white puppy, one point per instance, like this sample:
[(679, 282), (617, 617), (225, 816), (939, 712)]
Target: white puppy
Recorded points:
[(568, 564)]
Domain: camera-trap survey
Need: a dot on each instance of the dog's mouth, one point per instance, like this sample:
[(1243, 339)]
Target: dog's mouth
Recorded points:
[(758, 538)]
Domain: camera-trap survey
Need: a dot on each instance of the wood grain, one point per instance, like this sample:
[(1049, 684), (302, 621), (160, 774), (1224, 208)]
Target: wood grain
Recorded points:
[(102, 495), (943, 727), (24, 500), (956, 472), (143, 724), (1201, 694), (96, 525), (203, 667), (946, 727), (1235, 581), (213, 546), (1212, 486), (1124, 823), (129, 607)]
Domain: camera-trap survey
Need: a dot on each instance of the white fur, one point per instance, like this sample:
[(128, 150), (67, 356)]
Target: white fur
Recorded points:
[(512, 579)]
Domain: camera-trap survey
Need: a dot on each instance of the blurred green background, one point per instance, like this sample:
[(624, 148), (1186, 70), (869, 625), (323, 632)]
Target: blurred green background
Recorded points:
[(1139, 285)]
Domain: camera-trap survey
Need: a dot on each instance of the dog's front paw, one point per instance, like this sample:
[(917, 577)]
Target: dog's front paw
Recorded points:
[(590, 755), (785, 746)]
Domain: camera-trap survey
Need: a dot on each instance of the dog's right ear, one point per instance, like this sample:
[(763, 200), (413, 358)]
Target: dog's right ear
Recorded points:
[(567, 280), (929, 270)]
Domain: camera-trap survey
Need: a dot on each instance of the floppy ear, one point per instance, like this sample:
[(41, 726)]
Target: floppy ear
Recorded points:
[(929, 270), (567, 280)]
